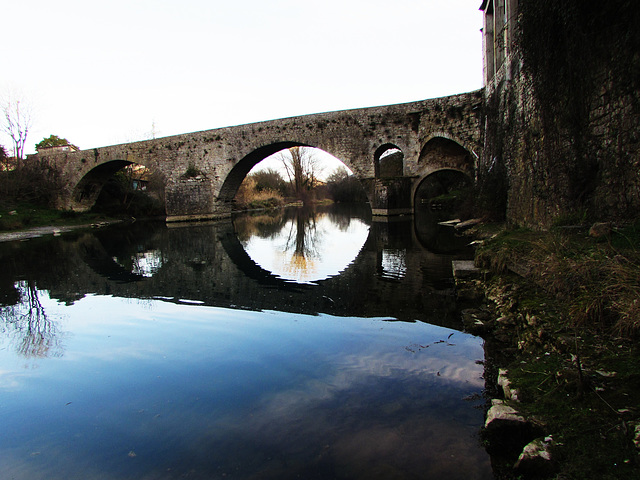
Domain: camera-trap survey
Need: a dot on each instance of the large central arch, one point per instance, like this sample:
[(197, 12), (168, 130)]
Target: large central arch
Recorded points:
[(239, 172), (244, 166)]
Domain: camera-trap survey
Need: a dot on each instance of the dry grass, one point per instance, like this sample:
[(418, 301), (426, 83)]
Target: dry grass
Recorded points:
[(567, 308), (596, 281), (249, 197)]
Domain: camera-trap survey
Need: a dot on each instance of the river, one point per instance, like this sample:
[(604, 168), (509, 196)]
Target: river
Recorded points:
[(312, 344)]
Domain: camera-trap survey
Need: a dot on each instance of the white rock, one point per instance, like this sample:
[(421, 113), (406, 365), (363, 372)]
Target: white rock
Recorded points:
[(536, 456), (500, 412), (505, 384)]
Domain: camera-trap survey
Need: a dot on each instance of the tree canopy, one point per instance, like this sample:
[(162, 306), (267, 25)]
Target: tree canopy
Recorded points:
[(53, 141), (269, 179)]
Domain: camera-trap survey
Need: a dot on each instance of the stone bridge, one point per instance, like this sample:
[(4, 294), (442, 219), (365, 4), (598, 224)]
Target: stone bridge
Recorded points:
[(431, 135)]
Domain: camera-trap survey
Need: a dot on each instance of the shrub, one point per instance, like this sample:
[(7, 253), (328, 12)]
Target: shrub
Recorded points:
[(32, 181)]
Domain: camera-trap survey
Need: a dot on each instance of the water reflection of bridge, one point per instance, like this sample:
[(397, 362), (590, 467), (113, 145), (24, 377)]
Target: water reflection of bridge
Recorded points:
[(207, 264)]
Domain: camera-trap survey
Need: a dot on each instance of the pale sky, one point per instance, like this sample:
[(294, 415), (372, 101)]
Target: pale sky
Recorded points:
[(103, 73)]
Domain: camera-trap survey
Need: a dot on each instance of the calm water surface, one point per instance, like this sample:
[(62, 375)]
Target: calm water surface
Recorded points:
[(298, 345)]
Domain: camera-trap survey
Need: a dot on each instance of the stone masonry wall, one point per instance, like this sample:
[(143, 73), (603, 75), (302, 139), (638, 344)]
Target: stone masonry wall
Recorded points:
[(566, 163)]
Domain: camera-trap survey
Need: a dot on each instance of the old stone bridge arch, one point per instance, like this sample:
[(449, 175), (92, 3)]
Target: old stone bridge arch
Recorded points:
[(201, 171), (443, 162), (243, 167)]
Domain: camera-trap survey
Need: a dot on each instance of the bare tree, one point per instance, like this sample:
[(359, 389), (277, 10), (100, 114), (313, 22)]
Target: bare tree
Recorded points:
[(28, 326), (17, 122), (153, 133), (302, 169)]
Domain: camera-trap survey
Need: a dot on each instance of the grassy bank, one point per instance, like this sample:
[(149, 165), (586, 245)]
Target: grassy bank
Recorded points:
[(24, 216), (563, 317)]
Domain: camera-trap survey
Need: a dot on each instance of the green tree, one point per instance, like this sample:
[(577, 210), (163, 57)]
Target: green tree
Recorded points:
[(269, 179), (344, 187), (53, 141)]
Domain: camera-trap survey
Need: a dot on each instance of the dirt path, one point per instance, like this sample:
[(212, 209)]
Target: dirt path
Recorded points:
[(40, 231)]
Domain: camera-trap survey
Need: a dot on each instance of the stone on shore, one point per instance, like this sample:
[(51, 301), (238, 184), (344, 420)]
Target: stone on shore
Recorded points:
[(536, 458), (506, 431), (505, 384), (465, 269)]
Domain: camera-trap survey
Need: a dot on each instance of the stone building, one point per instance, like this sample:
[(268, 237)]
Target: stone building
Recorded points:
[(59, 149), (562, 111), (498, 38)]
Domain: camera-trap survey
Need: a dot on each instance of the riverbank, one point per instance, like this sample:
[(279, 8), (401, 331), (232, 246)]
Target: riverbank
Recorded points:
[(28, 221), (36, 232), (561, 319)]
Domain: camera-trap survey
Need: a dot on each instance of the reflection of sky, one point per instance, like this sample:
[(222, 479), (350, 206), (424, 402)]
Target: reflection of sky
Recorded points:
[(328, 250), (147, 387), (394, 262), (145, 264)]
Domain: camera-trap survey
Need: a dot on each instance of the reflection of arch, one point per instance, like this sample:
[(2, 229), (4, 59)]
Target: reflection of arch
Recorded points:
[(239, 256), (100, 261), (440, 196), (388, 161)]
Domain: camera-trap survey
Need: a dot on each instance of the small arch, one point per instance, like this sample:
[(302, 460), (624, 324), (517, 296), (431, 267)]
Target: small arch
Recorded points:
[(142, 182), (441, 152), (389, 161), (89, 187)]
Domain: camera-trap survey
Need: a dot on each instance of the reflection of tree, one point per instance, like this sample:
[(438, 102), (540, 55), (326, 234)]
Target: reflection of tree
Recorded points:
[(35, 334), (145, 263), (264, 225), (303, 239), (342, 222)]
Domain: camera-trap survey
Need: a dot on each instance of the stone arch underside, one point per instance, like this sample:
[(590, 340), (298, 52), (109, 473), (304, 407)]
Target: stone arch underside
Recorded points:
[(441, 182), (445, 169), (444, 153), (90, 185), (87, 190)]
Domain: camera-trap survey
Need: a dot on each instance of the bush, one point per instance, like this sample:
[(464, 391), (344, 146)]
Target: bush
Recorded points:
[(345, 188), (32, 181), (118, 196), (249, 197)]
